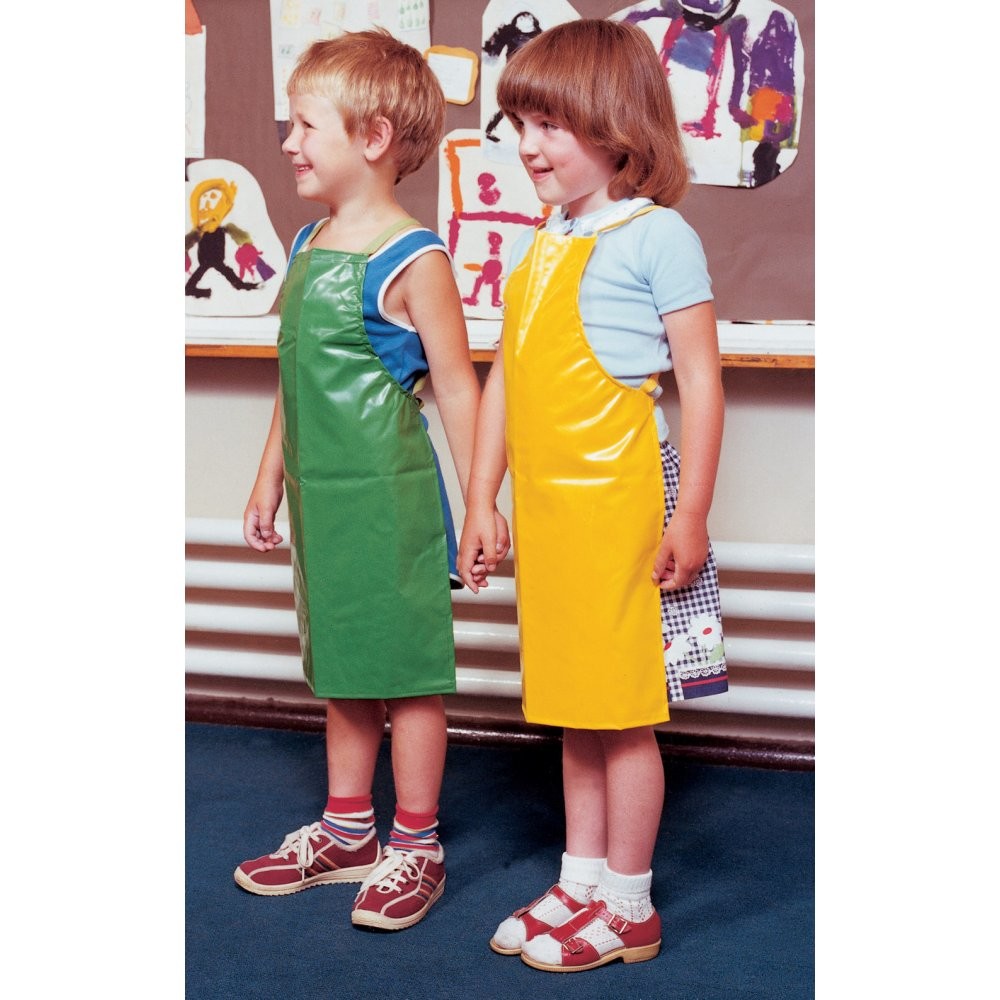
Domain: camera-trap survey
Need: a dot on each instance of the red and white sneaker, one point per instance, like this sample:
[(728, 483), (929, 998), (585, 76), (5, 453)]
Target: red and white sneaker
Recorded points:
[(540, 917), (400, 891), (593, 937), (308, 856)]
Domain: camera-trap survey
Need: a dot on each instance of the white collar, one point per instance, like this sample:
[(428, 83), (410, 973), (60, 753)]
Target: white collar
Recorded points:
[(587, 225)]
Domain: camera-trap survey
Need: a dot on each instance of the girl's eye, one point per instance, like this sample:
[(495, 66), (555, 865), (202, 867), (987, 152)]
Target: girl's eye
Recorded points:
[(517, 123), (549, 126)]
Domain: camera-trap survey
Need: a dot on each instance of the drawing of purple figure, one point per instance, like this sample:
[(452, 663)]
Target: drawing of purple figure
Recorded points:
[(522, 28), (698, 38), (770, 118), (490, 273)]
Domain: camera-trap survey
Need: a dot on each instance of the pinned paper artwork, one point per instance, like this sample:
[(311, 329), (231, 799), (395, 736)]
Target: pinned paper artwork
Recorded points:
[(483, 207), (735, 69), (234, 262), (296, 24), (507, 25), (456, 70), (194, 83)]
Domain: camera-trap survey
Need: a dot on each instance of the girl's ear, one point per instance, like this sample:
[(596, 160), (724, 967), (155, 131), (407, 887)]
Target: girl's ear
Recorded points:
[(379, 139)]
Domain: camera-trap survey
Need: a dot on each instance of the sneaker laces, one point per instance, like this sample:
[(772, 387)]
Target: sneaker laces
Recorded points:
[(299, 841), (395, 868)]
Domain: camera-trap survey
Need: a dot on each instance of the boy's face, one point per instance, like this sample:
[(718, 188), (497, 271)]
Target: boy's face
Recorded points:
[(325, 158)]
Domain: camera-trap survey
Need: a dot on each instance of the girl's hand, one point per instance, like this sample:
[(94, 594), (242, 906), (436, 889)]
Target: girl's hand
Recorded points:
[(503, 535), (682, 552), (485, 542)]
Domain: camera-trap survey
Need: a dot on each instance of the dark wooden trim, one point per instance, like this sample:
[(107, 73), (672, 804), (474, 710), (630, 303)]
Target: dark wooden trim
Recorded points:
[(732, 751)]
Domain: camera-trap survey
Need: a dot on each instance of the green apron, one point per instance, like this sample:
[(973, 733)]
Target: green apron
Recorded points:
[(369, 556)]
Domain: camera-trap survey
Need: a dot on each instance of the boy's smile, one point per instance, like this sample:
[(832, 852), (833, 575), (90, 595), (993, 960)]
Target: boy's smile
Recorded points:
[(324, 157)]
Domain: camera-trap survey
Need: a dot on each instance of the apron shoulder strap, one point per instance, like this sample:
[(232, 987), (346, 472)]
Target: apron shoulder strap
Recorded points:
[(621, 222), (303, 236), (308, 232), (386, 235)]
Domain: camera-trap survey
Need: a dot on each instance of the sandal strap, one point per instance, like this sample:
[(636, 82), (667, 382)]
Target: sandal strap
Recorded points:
[(566, 933), (567, 900)]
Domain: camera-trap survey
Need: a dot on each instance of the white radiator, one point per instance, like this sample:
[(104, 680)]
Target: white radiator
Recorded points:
[(768, 617)]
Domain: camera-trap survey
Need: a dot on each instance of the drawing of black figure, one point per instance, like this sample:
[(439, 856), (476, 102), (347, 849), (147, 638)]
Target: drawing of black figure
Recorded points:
[(522, 28), (211, 202)]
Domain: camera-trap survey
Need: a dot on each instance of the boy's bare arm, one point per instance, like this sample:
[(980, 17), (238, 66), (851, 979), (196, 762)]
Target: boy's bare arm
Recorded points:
[(433, 304), (268, 489)]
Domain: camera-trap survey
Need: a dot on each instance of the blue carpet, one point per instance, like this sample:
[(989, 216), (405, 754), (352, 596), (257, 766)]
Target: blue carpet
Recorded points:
[(733, 881)]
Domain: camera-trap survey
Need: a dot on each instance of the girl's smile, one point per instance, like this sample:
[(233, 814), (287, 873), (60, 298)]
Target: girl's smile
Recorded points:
[(564, 170)]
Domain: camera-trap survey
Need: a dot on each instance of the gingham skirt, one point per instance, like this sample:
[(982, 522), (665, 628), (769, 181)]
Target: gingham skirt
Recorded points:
[(693, 651)]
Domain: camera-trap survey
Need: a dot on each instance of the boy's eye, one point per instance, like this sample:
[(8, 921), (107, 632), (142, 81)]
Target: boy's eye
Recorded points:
[(517, 123)]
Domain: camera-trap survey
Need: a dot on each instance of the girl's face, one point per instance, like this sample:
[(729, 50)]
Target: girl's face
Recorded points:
[(323, 155), (564, 170)]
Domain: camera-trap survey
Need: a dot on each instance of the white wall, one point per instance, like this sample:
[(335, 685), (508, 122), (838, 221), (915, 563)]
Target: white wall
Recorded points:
[(765, 491)]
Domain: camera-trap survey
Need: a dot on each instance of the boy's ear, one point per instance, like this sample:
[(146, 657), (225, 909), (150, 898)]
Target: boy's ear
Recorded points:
[(379, 139)]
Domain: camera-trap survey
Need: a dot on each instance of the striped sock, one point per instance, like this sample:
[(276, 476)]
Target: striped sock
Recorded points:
[(349, 820), (414, 831)]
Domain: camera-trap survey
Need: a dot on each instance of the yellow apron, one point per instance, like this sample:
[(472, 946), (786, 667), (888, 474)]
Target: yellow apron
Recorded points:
[(587, 486)]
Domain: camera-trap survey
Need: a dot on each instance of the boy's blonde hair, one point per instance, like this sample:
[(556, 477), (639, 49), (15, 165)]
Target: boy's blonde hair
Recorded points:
[(371, 74), (603, 81)]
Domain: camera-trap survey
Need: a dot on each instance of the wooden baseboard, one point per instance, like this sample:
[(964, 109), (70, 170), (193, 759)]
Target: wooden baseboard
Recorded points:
[(734, 751)]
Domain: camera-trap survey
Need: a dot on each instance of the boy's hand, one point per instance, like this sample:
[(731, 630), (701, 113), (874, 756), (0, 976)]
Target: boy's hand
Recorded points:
[(258, 519)]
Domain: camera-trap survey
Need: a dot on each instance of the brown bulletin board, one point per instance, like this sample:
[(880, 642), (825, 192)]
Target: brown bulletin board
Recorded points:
[(759, 242)]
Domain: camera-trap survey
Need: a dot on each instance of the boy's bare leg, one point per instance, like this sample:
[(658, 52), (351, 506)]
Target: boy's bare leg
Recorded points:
[(419, 743), (354, 731)]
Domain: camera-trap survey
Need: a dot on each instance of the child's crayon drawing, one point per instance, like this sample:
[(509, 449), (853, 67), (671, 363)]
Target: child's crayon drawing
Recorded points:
[(507, 25), (483, 206), (233, 260), (735, 69)]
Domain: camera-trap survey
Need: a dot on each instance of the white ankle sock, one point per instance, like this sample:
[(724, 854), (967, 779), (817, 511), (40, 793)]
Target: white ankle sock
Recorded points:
[(578, 877), (626, 895)]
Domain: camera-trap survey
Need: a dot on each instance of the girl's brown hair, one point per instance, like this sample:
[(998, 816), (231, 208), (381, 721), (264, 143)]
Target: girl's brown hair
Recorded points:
[(371, 74), (603, 81)]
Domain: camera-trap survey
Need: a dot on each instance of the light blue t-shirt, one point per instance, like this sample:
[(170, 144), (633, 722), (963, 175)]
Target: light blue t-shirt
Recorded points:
[(652, 265)]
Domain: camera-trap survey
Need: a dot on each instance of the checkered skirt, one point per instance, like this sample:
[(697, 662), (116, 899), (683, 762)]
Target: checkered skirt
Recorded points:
[(694, 654)]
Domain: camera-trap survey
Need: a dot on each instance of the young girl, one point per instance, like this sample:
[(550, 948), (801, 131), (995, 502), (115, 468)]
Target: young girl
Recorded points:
[(369, 306), (615, 575)]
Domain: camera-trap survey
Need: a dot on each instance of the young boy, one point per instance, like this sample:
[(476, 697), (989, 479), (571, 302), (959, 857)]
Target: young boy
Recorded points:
[(369, 307)]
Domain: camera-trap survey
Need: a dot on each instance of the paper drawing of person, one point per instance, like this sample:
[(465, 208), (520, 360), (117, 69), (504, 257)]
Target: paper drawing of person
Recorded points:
[(211, 201), (490, 272)]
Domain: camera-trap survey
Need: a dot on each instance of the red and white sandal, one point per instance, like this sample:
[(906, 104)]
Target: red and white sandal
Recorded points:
[(539, 917), (593, 937)]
